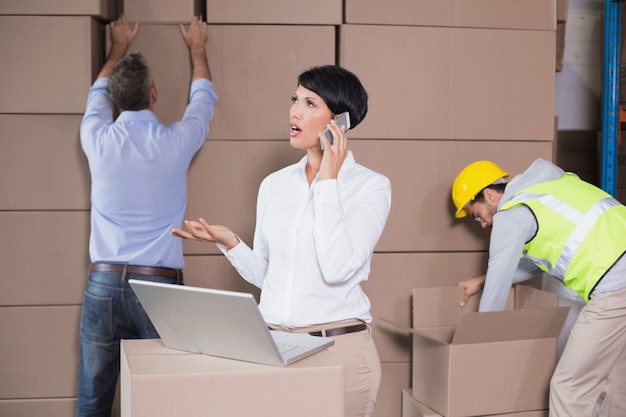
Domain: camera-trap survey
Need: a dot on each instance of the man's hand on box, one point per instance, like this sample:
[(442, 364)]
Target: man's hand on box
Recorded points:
[(471, 287)]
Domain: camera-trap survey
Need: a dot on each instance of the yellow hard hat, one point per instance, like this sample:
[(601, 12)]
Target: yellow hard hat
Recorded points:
[(471, 181)]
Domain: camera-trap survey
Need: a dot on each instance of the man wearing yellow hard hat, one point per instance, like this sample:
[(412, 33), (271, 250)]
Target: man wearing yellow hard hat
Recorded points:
[(548, 219)]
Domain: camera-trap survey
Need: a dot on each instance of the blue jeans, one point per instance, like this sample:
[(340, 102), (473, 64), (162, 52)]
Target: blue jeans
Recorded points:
[(110, 312)]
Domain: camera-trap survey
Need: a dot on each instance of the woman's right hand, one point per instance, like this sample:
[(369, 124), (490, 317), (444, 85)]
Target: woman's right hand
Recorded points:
[(335, 154), (203, 232)]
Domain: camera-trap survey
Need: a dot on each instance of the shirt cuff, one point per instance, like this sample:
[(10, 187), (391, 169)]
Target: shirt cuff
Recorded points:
[(326, 192), (101, 83), (239, 249), (203, 84)]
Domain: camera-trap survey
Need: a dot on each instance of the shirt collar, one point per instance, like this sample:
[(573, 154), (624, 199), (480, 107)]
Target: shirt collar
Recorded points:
[(137, 116), (349, 161)]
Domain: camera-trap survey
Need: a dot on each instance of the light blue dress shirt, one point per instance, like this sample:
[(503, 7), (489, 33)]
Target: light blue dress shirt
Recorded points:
[(139, 176)]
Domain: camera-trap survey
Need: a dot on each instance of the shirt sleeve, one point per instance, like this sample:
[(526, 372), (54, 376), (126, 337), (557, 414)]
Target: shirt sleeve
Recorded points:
[(510, 231), (199, 111), (98, 113), (252, 264), (347, 228)]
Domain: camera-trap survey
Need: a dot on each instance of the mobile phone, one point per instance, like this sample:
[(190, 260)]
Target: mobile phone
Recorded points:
[(344, 121)]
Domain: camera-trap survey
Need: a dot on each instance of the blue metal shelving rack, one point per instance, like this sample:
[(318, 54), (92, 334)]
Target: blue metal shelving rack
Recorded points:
[(610, 97)]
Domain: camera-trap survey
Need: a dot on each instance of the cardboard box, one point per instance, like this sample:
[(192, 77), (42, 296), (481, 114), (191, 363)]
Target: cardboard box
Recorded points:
[(562, 10), (413, 408), (160, 382), (249, 65), (30, 44), (60, 253), (421, 174), (105, 9), (578, 151), (38, 153), (55, 407), (288, 12), (416, 168), (412, 224), (502, 14), (39, 352), (395, 376), (453, 83), (408, 271), (467, 363), (162, 11)]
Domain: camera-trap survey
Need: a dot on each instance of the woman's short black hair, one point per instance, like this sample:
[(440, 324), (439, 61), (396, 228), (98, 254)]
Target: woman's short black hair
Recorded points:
[(130, 83), (340, 89)]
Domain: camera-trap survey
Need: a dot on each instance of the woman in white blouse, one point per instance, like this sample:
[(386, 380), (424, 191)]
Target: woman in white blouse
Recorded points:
[(318, 222)]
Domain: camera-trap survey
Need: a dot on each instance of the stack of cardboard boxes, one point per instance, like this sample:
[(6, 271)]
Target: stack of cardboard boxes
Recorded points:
[(51, 51), (450, 82)]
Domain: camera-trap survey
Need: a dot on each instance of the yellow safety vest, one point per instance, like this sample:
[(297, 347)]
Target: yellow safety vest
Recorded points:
[(581, 230)]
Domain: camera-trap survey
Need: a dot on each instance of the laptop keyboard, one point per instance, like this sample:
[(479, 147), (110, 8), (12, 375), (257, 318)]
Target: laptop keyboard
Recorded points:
[(285, 347)]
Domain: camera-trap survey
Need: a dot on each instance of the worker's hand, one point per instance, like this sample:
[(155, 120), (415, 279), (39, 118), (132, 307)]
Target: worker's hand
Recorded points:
[(471, 287), (203, 232), (195, 34), (122, 33)]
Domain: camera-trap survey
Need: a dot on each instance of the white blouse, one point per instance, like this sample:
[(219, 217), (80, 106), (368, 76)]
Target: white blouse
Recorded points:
[(313, 245)]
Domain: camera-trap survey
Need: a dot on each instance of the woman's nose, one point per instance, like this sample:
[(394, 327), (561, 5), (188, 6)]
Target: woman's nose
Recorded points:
[(295, 111)]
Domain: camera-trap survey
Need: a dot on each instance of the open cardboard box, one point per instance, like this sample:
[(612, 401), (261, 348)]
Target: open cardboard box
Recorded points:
[(467, 363), (413, 408)]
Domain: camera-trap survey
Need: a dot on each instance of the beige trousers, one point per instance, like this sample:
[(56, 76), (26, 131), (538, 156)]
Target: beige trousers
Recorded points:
[(357, 353), (590, 378)]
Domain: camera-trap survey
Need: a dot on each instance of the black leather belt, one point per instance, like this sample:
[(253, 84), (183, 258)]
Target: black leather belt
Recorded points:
[(339, 330), (135, 269)]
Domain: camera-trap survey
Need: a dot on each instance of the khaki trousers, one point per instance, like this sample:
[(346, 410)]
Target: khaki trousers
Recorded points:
[(357, 353), (590, 378)]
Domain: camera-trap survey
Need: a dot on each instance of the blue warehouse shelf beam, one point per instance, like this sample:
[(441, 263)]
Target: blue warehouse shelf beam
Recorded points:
[(610, 97)]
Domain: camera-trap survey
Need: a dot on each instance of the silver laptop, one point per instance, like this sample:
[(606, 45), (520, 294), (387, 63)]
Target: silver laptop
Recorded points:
[(220, 323)]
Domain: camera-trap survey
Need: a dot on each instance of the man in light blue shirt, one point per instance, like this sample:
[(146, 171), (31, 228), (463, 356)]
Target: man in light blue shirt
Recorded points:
[(139, 193)]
